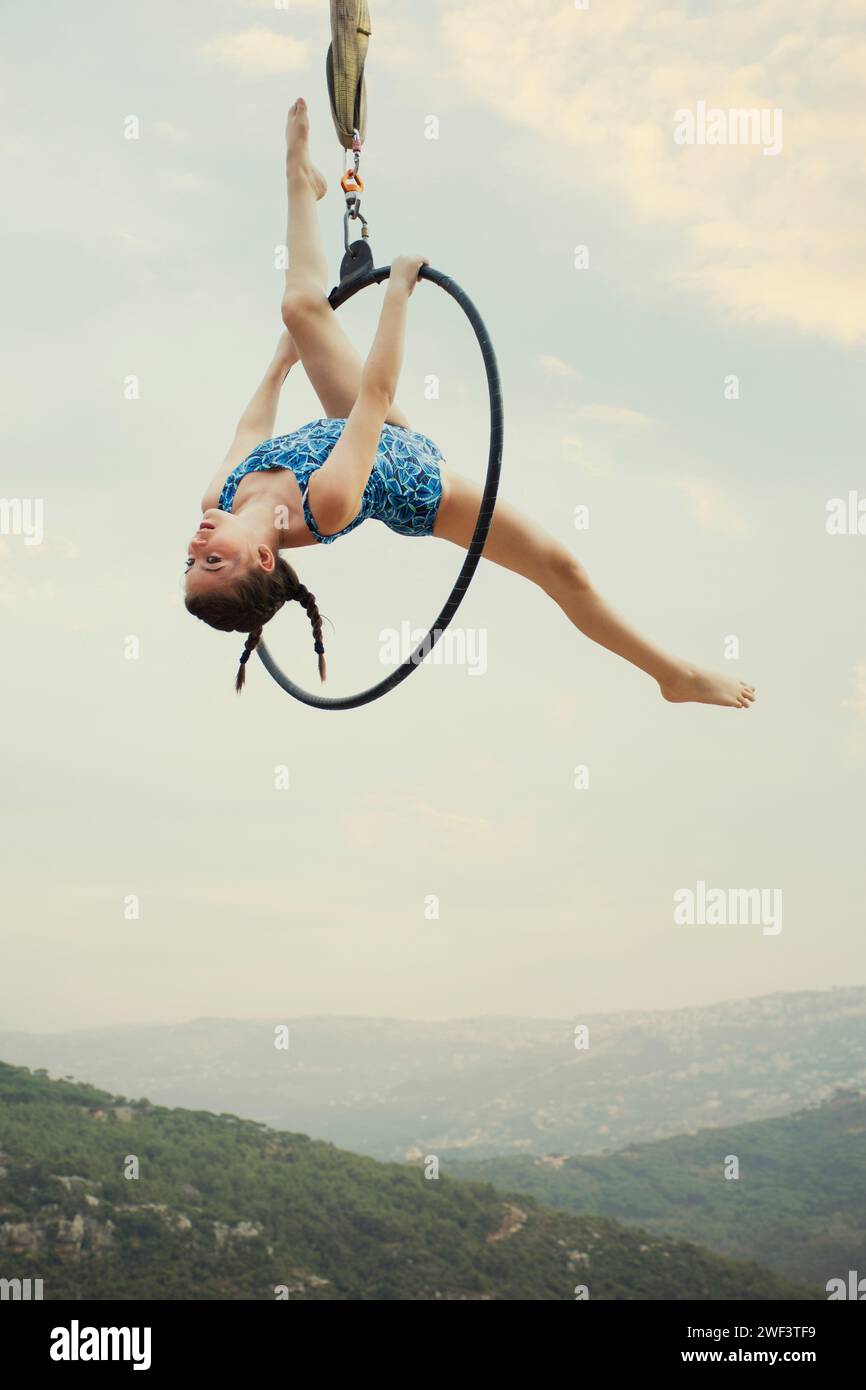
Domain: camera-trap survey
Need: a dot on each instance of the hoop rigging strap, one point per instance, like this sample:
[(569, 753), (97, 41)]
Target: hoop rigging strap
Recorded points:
[(347, 53), (345, 290)]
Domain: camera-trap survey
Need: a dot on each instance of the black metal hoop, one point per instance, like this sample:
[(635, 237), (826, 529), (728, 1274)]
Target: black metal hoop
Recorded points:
[(345, 290)]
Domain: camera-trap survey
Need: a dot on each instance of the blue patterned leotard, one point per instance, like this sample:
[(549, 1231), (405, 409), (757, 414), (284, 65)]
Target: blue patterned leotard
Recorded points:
[(404, 488)]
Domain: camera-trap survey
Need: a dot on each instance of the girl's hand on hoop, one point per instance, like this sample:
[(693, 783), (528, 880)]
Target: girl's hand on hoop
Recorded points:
[(404, 272)]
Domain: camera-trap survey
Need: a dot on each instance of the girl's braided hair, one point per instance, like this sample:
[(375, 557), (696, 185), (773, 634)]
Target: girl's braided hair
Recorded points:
[(251, 603)]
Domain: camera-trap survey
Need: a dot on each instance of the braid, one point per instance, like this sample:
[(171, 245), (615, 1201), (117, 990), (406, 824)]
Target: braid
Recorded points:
[(308, 603), (250, 645)]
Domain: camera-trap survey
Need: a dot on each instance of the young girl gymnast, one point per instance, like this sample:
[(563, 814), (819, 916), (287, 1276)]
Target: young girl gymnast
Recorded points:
[(362, 460)]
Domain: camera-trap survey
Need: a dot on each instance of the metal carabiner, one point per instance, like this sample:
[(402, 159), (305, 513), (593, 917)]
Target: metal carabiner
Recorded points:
[(356, 213), (353, 186)]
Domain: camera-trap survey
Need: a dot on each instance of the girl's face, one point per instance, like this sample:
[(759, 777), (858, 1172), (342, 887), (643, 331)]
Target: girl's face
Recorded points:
[(218, 554)]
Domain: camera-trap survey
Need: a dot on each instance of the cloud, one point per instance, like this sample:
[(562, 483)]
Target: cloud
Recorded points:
[(391, 819), (616, 415), (451, 820), (174, 133), (710, 508), (320, 6), (554, 366), (588, 453), (186, 181), (135, 244), (597, 413), (777, 240), (283, 6), (578, 451), (396, 43), (259, 51), (562, 715)]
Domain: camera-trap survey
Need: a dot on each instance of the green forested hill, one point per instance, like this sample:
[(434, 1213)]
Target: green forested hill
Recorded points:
[(227, 1209), (798, 1206)]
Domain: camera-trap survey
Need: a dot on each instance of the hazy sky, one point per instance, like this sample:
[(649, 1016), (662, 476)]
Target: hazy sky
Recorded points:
[(154, 258)]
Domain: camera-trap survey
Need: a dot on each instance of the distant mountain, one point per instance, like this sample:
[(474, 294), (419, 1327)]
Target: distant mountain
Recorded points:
[(223, 1208), (798, 1205), (484, 1086)]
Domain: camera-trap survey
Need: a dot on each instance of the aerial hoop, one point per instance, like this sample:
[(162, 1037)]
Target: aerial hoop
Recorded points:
[(345, 290)]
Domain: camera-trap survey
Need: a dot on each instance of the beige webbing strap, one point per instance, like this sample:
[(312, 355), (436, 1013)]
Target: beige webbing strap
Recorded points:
[(350, 35)]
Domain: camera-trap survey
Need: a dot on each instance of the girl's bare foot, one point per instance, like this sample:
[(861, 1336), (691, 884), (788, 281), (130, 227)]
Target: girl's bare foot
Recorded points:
[(297, 147), (706, 688)]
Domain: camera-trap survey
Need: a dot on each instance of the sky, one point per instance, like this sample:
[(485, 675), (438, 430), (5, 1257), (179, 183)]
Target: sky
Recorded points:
[(680, 329)]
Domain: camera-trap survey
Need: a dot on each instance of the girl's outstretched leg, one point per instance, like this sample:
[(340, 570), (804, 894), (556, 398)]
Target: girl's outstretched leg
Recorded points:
[(519, 545), (308, 264), (330, 359)]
